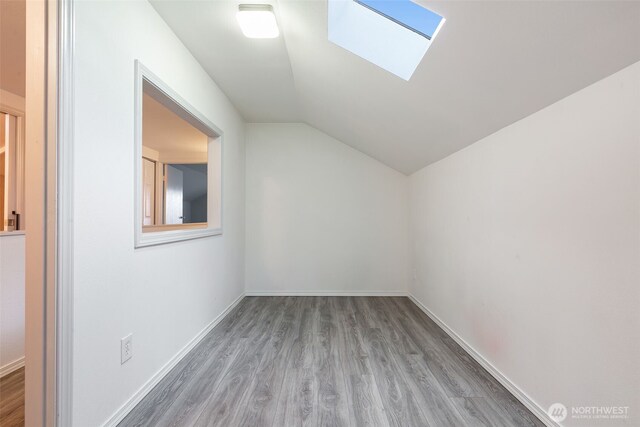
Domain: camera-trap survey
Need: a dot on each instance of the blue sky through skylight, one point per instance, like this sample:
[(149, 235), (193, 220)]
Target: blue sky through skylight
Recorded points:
[(407, 14)]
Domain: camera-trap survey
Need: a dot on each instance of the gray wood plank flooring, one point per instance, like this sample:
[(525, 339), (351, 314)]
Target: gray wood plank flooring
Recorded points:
[(328, 361)]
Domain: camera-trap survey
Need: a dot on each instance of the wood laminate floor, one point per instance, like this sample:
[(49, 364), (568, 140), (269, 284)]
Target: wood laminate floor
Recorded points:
[(328, 361), (12, 399)]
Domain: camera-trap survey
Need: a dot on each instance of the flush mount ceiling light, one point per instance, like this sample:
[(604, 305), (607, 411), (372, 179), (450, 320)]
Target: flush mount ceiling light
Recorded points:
[(258, 21)]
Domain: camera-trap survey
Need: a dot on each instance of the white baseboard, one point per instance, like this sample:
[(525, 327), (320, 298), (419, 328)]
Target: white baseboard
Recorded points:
[(119, 415), (324, 294), (10, 367), (511, 387)]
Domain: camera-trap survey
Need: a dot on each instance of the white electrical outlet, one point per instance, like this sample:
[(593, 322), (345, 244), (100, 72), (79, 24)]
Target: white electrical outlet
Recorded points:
[(126, 348)]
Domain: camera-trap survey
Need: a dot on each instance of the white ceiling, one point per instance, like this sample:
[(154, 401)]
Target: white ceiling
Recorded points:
[(493, 63), (169, 134), (255, 74)]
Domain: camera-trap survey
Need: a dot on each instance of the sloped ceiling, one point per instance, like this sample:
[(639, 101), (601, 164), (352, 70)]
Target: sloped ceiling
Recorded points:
[(493, 63)]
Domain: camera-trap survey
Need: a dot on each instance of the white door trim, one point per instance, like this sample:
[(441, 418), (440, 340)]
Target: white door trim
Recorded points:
[(64, 223)]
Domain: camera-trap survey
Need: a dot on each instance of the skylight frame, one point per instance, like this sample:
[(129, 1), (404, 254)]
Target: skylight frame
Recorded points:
[(367, 4), (376, 38)]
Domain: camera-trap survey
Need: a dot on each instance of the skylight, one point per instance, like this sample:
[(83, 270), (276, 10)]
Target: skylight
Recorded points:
[(392, 34), (408, 14)]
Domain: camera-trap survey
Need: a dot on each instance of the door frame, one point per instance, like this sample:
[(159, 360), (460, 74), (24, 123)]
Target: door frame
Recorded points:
[(15, 109), (62, 41), (49, 260), (49, 292)]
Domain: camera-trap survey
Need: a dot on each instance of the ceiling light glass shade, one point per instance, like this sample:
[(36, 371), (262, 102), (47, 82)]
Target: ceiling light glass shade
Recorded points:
[(258, 21)]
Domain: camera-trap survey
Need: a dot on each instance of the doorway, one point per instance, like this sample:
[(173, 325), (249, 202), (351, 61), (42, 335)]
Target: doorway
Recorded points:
[(12, 224), (28, 231)]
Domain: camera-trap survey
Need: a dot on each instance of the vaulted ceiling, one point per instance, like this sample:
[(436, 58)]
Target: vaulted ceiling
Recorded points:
[(493, 63)]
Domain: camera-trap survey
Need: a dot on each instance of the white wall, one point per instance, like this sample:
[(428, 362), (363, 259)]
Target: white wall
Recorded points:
[(527, 245), (166, 294), (321, 216), (11, 299)]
